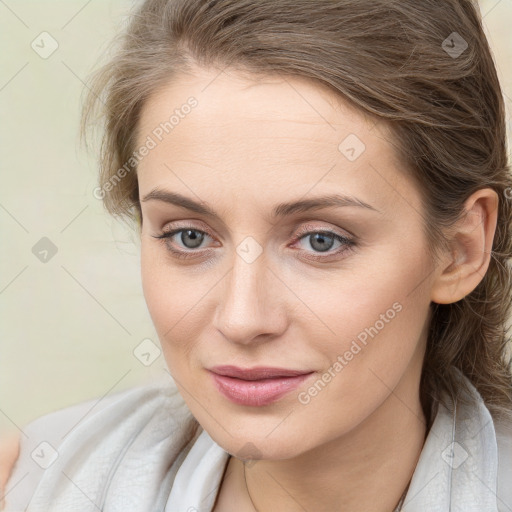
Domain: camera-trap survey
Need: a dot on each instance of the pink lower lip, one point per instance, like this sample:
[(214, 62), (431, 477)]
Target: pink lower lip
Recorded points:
[(256, 392)]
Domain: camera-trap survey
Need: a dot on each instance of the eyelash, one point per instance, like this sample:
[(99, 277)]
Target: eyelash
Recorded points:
[(347, 243)]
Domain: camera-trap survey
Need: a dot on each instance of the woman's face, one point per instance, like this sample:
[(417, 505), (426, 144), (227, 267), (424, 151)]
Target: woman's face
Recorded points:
[(339, 292)]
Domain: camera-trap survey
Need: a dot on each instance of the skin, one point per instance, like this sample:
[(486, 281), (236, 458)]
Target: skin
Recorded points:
[(249, 145)]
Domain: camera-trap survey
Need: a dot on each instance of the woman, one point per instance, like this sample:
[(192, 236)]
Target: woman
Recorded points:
[(322, 195)]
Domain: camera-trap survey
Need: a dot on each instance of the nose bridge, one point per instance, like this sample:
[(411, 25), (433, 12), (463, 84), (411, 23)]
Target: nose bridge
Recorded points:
[(248, 307)]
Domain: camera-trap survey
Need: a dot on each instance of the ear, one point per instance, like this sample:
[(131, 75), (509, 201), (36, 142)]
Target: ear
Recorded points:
[(470, 242)]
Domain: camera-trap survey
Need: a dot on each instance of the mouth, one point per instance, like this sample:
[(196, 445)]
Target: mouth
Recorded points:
[(256, 386)]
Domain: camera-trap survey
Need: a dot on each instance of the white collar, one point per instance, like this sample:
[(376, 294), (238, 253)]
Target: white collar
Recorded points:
[(457, 468), (199, 477)]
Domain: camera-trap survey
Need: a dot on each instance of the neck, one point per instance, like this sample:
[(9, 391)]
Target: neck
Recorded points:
[(366, 469)]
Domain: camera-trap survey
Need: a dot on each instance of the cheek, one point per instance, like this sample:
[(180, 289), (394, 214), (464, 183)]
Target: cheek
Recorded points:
[(157, 285), (381, 291), (165, 296), (379, 322), (176, 300)]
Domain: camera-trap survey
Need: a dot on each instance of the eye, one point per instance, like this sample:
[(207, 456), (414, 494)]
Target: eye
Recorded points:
[(322, 241), (189, 237)]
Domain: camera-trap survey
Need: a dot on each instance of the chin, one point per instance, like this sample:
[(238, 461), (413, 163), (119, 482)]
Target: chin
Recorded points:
[(255, 443)]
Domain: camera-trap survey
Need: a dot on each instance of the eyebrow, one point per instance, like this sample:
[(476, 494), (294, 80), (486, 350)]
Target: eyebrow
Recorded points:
[(280, 210)]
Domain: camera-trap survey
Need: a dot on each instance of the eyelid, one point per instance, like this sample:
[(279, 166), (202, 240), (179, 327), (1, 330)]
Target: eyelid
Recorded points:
[(314, 228), (303, 230), (188, 225)]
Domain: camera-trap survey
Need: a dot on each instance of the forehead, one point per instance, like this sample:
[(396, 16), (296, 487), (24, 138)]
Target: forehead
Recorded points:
[(255, 104), (271, 134)]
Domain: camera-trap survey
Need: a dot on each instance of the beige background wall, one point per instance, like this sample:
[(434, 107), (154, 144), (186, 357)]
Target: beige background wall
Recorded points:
[(69, 325)]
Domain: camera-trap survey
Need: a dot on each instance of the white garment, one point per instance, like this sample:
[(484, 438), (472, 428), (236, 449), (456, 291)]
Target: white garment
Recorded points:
[(130, 452)]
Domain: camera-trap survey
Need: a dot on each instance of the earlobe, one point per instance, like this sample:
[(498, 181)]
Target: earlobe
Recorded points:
[(460, 271)]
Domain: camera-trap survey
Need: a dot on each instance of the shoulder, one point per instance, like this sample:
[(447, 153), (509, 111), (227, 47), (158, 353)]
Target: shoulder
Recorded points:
[(94, 433), (476, 448), (493, 436), (504, 443)]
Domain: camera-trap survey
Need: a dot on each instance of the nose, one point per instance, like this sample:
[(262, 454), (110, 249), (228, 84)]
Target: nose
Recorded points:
[(251, 303)]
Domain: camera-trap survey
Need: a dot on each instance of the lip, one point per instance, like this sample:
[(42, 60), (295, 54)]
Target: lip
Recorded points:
[(256, 386)]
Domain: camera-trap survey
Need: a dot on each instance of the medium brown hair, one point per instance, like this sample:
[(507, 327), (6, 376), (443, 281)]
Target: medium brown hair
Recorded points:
[(389, 59)]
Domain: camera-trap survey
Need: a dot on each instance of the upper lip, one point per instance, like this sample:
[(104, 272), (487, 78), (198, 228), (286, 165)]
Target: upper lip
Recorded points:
[(257, 372)]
